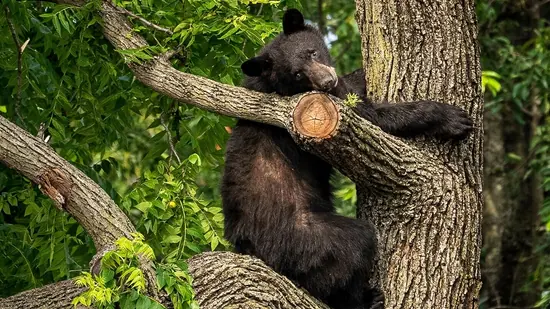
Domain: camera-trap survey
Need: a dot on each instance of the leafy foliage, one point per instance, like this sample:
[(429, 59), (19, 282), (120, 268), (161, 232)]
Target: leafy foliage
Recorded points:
[(342, 34), (106, 123), (351, 100), (167, 207), (122, 282), (516, 45), (158, 159), (38, 244), (489, 81)]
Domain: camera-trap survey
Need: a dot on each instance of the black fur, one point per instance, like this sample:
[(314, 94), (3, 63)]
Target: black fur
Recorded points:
[(408, 119), (277, 198)]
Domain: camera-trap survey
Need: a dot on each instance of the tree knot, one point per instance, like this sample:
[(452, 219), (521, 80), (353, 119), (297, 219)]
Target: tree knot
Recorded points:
[(56, 185)]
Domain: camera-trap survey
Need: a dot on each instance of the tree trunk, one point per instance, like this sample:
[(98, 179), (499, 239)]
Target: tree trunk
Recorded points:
[(424, 199), (513, 201), (520, 220), (496, 199), (430, 234)]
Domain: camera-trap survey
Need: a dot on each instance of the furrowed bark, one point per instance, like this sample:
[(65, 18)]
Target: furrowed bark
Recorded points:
[(429, 238), (229, 280), (57, 295), (220, 280), (71, 190), (425, 199)]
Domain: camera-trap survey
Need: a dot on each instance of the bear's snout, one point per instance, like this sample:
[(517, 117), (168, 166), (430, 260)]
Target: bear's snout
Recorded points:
[(322, 77), (328, 83)]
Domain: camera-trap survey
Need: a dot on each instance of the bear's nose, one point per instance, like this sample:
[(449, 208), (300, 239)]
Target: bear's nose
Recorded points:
[(328, 83)]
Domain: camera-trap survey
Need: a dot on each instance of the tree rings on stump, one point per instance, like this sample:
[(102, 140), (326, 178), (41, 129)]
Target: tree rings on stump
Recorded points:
[(316, 115)]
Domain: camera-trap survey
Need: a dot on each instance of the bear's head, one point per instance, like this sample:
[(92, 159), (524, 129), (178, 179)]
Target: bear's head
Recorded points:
[(296, 61)]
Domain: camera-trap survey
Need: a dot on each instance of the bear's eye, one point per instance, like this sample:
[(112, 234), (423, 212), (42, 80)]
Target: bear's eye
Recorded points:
[(299, 76), (314, 54)]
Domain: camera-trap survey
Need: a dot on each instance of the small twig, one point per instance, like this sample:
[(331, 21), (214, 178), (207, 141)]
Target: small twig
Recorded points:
[(41, 134), (169, 54), (527, 112), (20, 49), (170, 141), (145, 21)]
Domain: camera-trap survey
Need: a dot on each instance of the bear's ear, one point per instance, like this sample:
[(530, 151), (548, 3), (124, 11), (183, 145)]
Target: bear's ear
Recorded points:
[(293, 21), (257, 65)]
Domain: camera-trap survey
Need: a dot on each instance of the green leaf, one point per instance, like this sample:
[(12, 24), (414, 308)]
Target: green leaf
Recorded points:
[(195, 159), (12, 200), (6, 209), (144, 206), (57, 25), (214, 243), (64, 22), (172, 239)]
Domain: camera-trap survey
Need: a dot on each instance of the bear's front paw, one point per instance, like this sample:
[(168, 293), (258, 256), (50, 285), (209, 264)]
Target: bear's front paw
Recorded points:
[(455, 123)]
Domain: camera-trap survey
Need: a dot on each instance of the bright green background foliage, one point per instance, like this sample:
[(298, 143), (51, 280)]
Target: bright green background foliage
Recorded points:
[(105, 122), (118, 132), (121, 281)]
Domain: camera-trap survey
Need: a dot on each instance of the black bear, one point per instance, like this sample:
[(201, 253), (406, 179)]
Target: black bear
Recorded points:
[(277, 198)]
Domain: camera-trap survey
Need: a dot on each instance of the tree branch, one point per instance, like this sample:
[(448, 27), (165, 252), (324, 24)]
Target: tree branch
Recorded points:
[(374, 154), (20, 48), (245, 281), (71, 190), (373, 159), (145, 21), (57, 295)]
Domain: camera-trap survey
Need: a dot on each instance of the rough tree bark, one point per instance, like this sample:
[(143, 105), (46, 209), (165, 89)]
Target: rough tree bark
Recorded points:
[(429, 235), (425, 199)]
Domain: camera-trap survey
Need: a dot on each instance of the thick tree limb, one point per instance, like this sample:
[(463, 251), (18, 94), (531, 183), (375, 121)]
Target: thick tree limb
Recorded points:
[(70, 189), (375, 158), (229, 280), (412, 236), (53, 296), (220, 280)]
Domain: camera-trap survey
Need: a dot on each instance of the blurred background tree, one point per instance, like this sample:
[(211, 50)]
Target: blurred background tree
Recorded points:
[(161, 161)]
